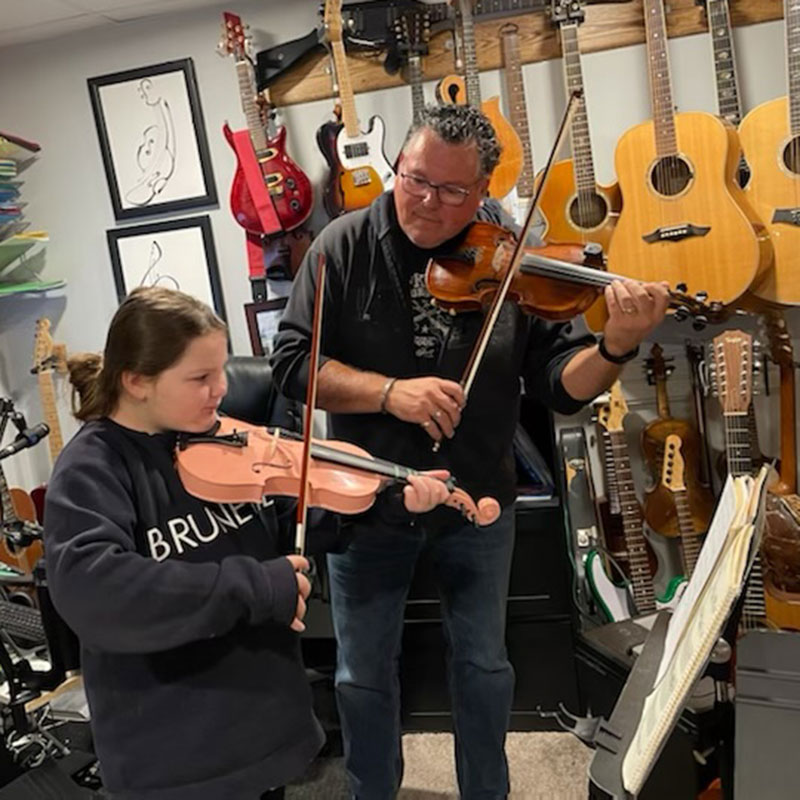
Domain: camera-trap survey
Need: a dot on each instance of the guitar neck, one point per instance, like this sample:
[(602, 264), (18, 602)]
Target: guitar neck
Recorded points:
[(252, 111), (690, 539), (349, 116), (610, 475), (48, 397), (633, 526), (662, 398), (791, 14), (515, 89), (582, 159), (660, 85), (471, 77), (414, 77), (5, 499), (719, 26), (788, 472), (737, 444)]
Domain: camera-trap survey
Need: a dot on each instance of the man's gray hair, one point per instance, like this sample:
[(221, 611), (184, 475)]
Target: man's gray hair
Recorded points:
[(457, 124)]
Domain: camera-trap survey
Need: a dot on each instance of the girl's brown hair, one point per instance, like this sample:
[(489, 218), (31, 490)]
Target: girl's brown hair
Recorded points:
[(148, 334)]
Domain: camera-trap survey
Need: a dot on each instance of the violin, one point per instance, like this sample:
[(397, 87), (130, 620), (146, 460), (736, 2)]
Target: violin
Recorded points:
[(556, 281), (240, 462)]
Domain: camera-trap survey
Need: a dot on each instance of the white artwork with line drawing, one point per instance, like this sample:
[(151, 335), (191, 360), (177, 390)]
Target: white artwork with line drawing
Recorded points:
[(173, 259), (152, 140)]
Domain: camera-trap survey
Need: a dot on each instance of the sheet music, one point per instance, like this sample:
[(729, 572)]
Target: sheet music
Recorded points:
[(730, 504)]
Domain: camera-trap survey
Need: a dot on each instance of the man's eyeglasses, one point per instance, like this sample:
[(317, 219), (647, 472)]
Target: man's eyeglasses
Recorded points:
[(448, 194)]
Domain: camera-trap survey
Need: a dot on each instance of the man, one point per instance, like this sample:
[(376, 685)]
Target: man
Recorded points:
[(389, 375)]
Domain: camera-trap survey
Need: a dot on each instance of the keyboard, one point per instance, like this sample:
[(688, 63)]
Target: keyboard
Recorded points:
[(22, 622)]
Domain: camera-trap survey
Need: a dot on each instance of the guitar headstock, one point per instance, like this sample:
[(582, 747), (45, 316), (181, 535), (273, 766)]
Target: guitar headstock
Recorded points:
[(332, 21), (234, 40), (611, 414), (657, 367), (567, 11), (47, 355), (732, 370), (672, 471), (412, 30)]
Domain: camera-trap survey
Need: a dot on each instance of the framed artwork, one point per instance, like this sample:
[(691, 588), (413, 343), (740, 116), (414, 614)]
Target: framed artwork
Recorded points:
[(178, 254), (153, 139), (262, 323)]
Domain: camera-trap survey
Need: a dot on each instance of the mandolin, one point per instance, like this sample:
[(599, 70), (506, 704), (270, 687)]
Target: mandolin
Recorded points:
[(684, 217), (467, 90), (359, 170), (288, 186), (770, 136), (683, 512)]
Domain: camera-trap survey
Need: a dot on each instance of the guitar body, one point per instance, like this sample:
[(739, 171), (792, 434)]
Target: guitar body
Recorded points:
[(288, 186), (660, 511), (365, 152), (699, 229), (614, 601), (508, 169), (774, 159), (26, 558), (452, 90), (345, 190)]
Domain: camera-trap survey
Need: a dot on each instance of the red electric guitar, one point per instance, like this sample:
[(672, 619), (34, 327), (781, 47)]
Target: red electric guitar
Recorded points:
[(289, 187)]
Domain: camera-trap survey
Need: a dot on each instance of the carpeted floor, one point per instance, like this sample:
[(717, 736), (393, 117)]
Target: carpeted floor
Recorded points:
[(543, 766)]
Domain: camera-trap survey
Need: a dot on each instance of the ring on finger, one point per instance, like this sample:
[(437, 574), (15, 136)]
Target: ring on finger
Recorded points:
[(437, 414), (426, 423)]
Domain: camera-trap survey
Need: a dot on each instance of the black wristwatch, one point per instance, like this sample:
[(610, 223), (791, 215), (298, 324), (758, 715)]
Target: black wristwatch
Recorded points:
[(623, 359)]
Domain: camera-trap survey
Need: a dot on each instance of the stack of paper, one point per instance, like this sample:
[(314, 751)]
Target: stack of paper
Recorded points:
[(698, 620)]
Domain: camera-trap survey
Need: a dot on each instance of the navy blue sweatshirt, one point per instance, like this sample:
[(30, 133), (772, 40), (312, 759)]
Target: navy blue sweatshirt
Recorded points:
[(194, 678)]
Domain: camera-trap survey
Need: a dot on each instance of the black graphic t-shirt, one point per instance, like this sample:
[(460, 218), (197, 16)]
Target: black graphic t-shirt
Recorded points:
[(183, 611)]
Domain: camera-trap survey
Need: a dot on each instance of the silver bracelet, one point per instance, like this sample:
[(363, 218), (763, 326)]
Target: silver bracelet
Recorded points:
[(385, 394)]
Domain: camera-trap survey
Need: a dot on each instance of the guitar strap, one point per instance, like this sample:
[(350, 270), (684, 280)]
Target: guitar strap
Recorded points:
[(267, 215)]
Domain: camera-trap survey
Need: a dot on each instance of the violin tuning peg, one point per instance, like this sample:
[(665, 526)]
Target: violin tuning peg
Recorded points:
[(681, 287), (699, 323), (681, 313), (701, 297)]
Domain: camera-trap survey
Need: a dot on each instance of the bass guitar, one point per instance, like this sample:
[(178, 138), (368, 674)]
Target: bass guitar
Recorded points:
[(467, 90), (359, 170), (289, 187), (684, 217), (770, 136)]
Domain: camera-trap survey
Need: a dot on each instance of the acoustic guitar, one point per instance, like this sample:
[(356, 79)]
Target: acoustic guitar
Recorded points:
[(684, 217), (460, 90), (770, 136), (359, 170), (289, 187)]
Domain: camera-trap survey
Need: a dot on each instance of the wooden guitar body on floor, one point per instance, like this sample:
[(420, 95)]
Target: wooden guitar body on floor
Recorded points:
[(684, 218), (773, 155)]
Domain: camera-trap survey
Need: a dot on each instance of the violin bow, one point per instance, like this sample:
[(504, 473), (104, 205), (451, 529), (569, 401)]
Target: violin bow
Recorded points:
[(311, 401), (490, 319)]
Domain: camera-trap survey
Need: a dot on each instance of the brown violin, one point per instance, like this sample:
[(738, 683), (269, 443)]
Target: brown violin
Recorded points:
[(240, 462), (556, 282)]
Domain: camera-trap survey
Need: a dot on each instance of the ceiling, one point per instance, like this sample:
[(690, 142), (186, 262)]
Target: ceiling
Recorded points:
[(45, 19)]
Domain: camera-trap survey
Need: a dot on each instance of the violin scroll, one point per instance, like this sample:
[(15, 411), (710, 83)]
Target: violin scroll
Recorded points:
[(484, 512)]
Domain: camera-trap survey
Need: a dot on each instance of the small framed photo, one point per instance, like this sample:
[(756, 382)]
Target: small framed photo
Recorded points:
[(153, 139), (262, 323), (178, 254)]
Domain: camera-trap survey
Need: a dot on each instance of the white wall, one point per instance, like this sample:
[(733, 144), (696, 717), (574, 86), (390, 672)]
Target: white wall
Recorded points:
[(43, 96)]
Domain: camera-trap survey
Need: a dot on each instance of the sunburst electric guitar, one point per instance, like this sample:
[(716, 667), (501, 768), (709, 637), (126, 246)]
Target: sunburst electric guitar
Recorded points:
[(359, 170)]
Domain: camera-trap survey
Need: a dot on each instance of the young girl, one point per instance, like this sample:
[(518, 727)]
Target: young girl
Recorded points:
[(186, 611)]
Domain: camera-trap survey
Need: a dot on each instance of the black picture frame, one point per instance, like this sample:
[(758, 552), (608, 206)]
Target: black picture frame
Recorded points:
[(153, 139), (257, 314), (138, 250)]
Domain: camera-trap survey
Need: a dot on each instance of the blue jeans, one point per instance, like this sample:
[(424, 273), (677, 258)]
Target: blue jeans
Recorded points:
[(369, 587)]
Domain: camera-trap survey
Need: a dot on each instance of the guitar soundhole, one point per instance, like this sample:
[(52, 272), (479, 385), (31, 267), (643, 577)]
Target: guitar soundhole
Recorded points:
[(791, 155), (670, 175), (588, 210)]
